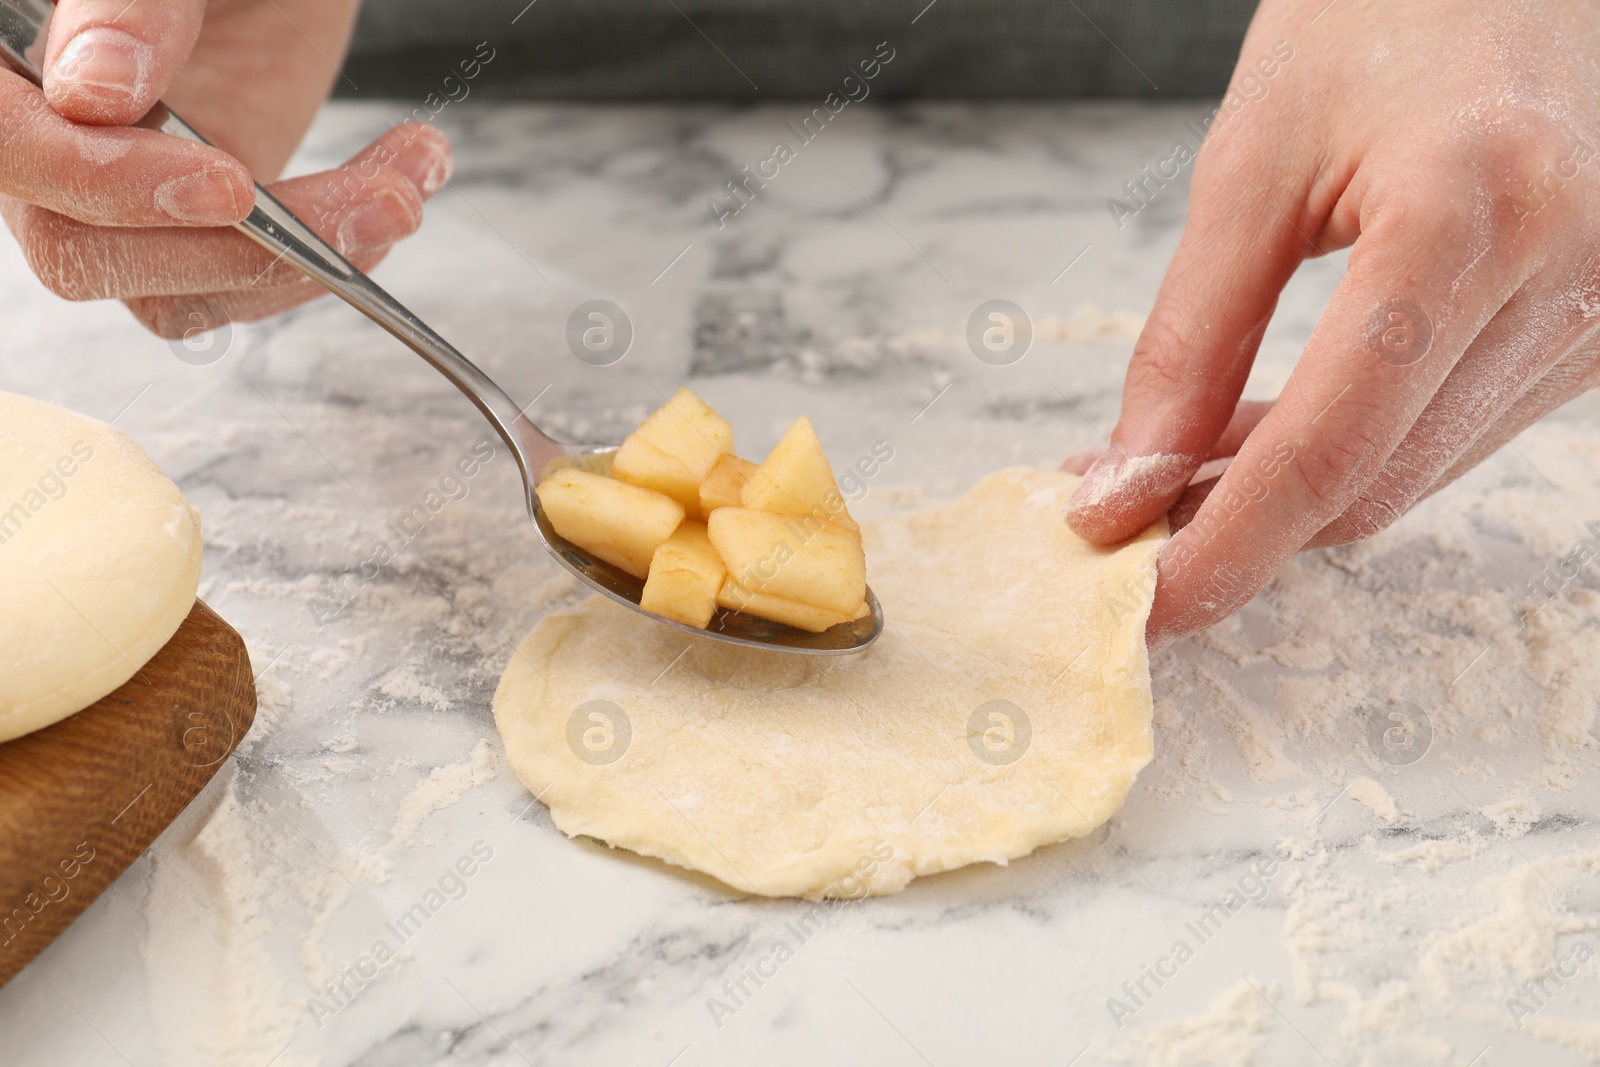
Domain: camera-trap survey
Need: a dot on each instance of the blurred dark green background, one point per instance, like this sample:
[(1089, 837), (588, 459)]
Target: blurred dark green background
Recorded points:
[(668, 49)]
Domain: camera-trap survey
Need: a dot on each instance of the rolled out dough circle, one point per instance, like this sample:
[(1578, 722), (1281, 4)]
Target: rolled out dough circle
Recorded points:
[(99, 561), (1006, 706)]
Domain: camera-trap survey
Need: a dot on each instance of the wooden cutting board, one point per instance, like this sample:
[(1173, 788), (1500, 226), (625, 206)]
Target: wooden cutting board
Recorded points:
[(81, 800)]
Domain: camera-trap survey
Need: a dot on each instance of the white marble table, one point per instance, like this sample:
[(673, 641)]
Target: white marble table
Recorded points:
[(1415, 897)]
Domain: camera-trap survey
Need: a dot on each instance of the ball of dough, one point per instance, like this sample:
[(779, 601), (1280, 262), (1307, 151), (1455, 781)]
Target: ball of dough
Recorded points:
[(99, 561), (1006, 706)]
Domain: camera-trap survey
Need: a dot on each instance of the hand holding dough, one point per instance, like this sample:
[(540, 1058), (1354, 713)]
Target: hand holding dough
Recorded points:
[(1007, 706)]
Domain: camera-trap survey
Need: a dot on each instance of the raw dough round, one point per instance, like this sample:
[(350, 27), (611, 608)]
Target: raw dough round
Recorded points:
[(99, 562), (1006, 706)]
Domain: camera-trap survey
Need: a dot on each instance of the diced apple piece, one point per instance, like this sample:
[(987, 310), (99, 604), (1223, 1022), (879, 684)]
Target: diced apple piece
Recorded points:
[(622, 524), (685, 576), (725, 483), (795, 479), (735, 597), (674, 449), (797, 558)]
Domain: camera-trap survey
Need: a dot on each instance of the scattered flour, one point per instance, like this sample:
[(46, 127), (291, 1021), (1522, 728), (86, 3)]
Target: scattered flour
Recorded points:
[(1431, 856), (1432, 633), (222, 1001), (214, 891), (1230, 1031), (274, 700), (1375, 797), (443, 787), (1518, 938), (402, 684), (1514, 815), (1582, 1037)]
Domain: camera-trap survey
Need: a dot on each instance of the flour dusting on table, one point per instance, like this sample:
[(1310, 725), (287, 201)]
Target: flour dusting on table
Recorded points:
[(1416, 897), (1424, 702)]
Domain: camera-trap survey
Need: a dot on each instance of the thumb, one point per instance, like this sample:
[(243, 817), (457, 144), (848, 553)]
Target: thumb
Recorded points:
[(108, 61)]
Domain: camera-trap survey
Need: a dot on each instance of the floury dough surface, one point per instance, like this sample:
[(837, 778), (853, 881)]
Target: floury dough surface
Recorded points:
[(1006, 706), (99, 562)]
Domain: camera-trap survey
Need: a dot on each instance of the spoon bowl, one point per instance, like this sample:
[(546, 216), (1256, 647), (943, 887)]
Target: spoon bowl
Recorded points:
[(734, 627)]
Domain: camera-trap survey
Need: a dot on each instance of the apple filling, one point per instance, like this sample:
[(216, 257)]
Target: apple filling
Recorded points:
[(706, 529)]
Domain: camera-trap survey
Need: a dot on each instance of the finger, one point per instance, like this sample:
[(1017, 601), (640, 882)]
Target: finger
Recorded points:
[(371, 202), (177, 317), (113, 176), (1188, 504), (1194, 354), (80, 262), (108, 61), (1245, 417), (1570, 378), (1373, 363), (1516, 354)]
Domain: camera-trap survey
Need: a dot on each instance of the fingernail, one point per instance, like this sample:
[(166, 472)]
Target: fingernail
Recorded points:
[(380, 221), (103, 60), (428, 171), (1098, 481), (208, 197), (1117, 479)]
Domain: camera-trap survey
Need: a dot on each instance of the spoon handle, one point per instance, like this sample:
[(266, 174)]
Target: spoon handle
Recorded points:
[(276, 228)]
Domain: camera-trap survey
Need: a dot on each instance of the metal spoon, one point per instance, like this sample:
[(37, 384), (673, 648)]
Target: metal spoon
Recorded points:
[(23, 30)]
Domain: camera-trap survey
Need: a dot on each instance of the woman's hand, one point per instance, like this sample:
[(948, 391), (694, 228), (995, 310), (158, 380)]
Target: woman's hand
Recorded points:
[(1456, 145), (104, 210)]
